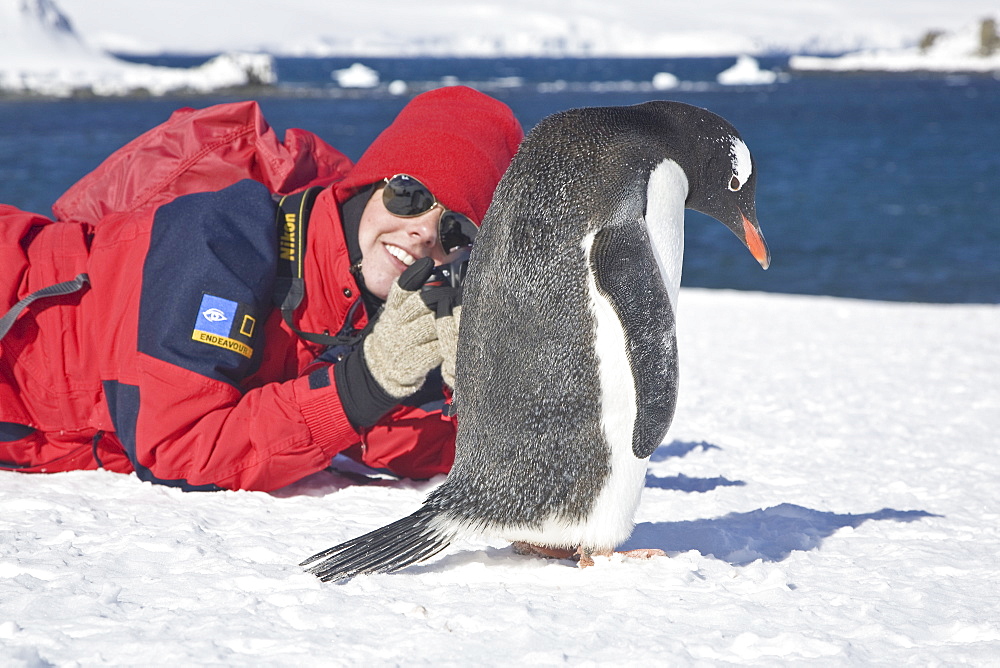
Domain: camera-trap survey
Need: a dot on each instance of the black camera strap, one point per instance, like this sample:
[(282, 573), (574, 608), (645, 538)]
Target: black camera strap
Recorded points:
[(291, 223)]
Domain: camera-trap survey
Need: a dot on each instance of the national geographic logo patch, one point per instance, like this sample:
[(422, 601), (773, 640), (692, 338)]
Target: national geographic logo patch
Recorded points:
[(225, 324)]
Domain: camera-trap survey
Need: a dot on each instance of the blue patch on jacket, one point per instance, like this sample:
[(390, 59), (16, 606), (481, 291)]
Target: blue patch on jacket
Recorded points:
[(208, 280)]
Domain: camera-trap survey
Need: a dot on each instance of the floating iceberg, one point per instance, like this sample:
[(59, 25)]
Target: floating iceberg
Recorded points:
[(41, 54), (746, 72), (975, 48), (356, 76)]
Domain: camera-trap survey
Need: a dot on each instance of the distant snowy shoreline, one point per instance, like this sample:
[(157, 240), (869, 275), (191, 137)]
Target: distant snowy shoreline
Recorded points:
[(974, 49), (111, 77), (42, 54)]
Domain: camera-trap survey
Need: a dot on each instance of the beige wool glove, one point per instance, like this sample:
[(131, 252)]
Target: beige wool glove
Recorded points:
[(403, 347), (444, 296), (447, 334)]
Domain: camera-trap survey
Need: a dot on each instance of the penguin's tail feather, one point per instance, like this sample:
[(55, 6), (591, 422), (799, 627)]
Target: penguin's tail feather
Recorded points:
[(394, 546)]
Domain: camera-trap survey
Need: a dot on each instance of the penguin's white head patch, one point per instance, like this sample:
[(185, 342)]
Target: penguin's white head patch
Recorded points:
[(742, 163)]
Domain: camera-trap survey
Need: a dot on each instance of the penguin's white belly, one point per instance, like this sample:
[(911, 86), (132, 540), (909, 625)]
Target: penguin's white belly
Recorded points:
[(611, 520)]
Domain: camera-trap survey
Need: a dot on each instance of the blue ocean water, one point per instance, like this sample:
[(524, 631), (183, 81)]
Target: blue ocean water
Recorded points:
[(874, 186)]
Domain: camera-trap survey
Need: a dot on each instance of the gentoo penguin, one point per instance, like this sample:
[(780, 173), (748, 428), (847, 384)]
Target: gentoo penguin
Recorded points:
[(567, 357)]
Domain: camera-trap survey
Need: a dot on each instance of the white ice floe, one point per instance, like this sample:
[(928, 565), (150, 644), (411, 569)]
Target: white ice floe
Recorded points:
[(665, 81), (746, 72), (398, 87), (975, 48), (356, 76)]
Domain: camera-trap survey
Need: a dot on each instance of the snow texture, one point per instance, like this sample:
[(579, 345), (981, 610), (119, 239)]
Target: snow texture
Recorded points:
[(827, 496)]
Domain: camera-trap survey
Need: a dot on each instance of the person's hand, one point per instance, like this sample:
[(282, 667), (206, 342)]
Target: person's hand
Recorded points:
[(395, 357), (402, 347), (446, 302)]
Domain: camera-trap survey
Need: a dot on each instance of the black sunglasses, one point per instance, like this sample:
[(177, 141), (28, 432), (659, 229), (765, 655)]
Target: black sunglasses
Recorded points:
[(406, 197)]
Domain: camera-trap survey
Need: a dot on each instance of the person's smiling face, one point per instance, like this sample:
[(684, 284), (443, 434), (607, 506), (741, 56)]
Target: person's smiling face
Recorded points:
[(389, 243)]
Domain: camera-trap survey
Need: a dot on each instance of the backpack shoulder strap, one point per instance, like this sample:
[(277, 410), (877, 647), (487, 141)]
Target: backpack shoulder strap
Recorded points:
[(64, 288)]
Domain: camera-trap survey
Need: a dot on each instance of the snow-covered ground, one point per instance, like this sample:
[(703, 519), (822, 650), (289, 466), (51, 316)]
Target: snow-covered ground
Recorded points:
[(827, 495)]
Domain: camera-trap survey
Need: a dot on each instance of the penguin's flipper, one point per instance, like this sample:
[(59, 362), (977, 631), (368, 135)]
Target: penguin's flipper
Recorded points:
[(627, 274), (384, 550)]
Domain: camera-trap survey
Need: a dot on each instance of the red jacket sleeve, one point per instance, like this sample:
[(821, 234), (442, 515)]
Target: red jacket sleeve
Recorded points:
[(197, 432)]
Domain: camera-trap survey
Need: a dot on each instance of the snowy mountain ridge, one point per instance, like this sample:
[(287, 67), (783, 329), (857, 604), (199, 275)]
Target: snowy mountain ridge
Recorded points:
[(48, 15), (36, 32), (41, 53), (488, 28)]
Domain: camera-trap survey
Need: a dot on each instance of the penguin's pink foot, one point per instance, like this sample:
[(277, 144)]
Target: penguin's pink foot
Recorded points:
[(584, 556), (587, 556), (532, 550)]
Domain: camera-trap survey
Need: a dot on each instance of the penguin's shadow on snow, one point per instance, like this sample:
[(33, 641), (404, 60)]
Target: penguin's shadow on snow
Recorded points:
[(681, 482), (769, 534)]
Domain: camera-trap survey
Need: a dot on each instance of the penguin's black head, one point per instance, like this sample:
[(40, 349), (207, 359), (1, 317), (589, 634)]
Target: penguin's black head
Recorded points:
[(722, 178)]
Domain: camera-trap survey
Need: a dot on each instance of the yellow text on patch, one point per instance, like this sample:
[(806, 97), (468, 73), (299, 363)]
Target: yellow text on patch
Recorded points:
[(222, 342)]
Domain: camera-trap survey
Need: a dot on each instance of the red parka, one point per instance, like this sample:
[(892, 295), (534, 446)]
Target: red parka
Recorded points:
[(173, 361)]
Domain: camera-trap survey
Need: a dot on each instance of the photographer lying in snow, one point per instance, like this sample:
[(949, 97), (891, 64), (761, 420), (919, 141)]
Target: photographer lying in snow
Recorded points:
[(202, 336)]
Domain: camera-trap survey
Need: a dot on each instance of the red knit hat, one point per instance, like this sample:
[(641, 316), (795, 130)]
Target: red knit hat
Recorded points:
[(455, 140)]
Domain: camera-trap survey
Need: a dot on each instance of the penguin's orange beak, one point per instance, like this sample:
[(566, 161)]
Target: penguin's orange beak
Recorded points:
[(755, 242)]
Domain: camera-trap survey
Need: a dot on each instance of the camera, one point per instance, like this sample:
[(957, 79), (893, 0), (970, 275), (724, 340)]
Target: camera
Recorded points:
[(450, 275)]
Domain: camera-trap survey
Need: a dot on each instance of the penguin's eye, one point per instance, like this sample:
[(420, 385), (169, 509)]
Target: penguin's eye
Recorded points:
[(734, 184)]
